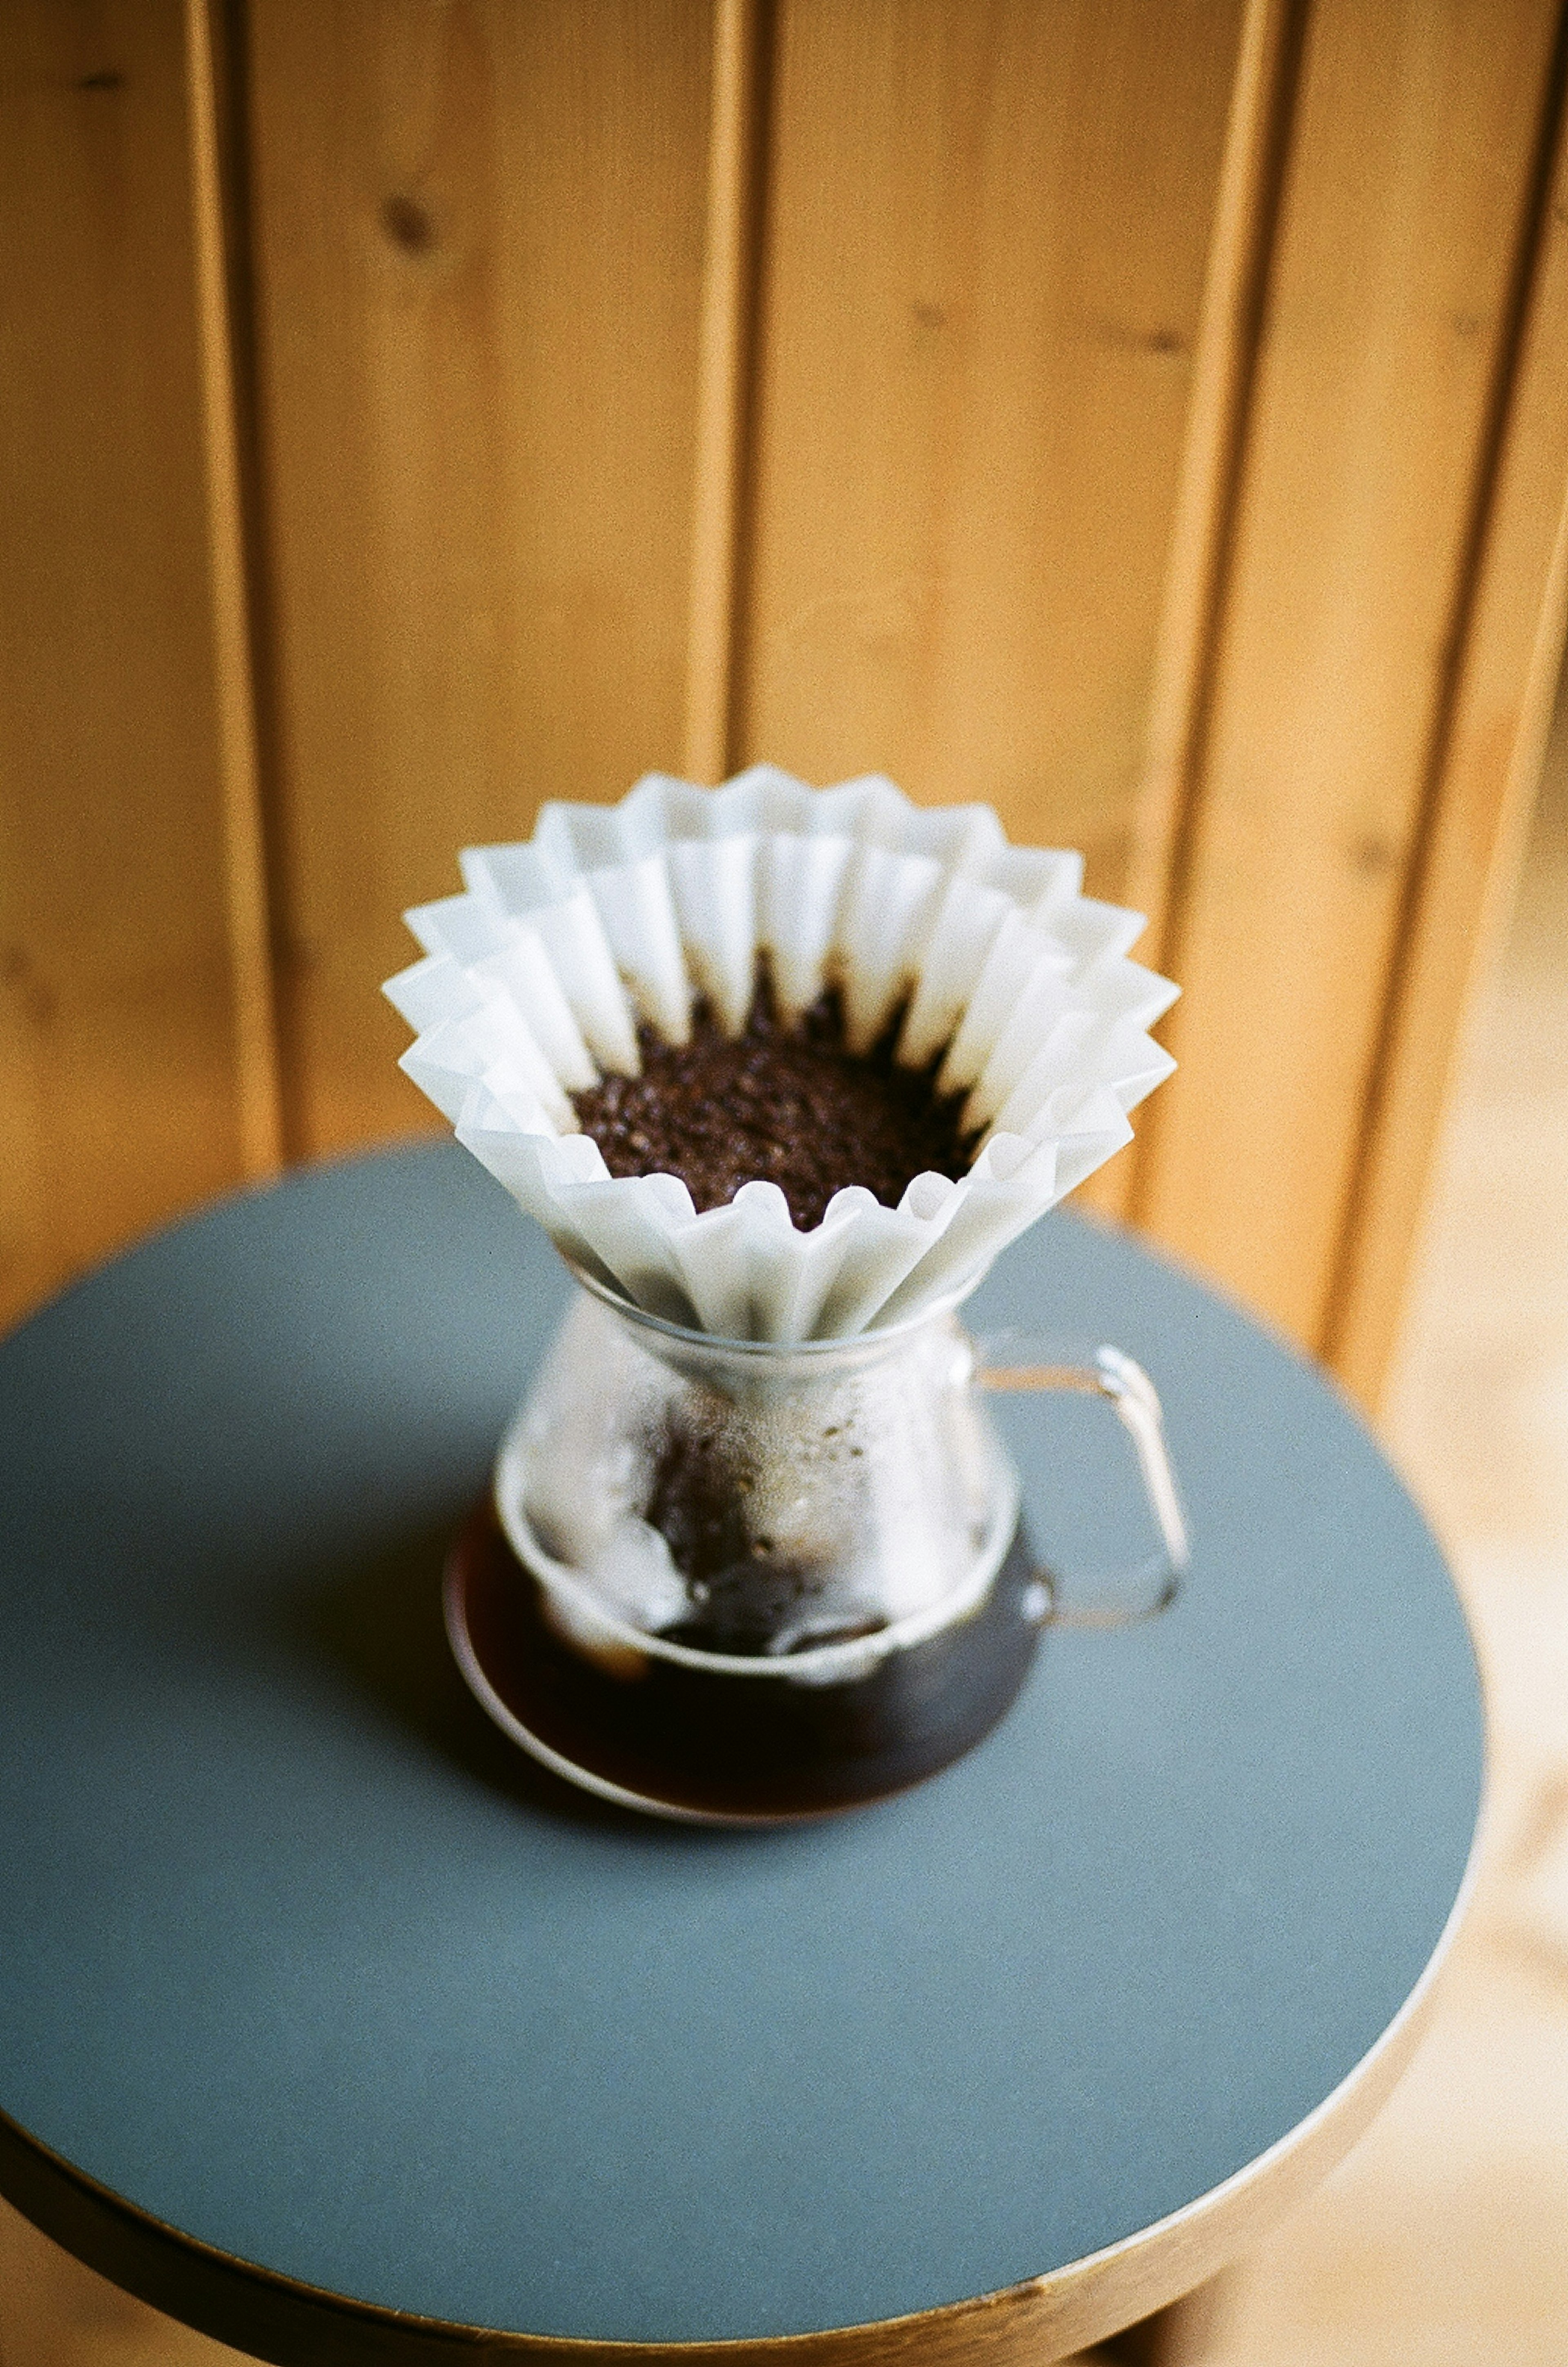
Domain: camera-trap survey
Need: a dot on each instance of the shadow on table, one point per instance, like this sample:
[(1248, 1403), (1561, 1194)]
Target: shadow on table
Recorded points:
[(379, 1623)]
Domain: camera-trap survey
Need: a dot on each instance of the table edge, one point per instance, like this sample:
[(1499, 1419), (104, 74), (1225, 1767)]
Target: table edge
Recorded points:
[(290, 2324)]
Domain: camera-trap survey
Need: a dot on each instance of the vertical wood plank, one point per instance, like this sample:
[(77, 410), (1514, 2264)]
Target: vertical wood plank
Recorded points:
[(985, 241), (250, 943), (741, 32), (1487, 767), (1404, 202), (116, 1003), (1224, 361), (479, 235)]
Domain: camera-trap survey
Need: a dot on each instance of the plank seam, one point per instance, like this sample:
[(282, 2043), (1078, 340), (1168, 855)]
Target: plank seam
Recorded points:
[(727, 339), (1232, 329), (231, 577), (1340, 1294)]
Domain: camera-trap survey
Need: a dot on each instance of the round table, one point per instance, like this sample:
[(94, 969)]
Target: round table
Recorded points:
[(335, 2027)]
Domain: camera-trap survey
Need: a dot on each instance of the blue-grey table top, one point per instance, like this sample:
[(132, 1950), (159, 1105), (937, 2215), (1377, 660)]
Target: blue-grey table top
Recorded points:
[(299, 1956)]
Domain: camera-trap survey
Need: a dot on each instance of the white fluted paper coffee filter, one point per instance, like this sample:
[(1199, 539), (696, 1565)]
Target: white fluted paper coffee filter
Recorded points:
[(535, 979)]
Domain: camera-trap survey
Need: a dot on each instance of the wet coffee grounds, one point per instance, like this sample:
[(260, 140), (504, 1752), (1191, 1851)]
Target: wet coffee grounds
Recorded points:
[(782, 1103), (747, 1591)]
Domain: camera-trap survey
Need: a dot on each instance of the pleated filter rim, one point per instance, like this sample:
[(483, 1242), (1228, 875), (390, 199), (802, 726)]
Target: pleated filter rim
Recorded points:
[(535, 977)]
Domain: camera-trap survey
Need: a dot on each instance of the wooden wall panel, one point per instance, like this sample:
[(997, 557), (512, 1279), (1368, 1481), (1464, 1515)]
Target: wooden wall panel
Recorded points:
[(1488, 768), (1224, 364), (1146, 414), (986, 240), (478, 256), (741, 74), (1405, 204), (118, 1051)]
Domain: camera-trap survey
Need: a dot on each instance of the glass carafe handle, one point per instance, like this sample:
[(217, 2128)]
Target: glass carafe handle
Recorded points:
[(1011, 1361)]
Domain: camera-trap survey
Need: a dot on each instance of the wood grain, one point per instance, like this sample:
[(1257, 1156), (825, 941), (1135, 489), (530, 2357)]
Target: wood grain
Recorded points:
[(220, 292), (1225, 363), (480, 237), (984, 250), (1486, 767), (117, 1073), (1122, 411), (742, 34), (1404, 203), (1203, 515)]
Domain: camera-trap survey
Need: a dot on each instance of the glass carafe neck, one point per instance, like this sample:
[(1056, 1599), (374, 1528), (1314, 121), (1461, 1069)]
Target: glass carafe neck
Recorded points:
[(760, 1503)]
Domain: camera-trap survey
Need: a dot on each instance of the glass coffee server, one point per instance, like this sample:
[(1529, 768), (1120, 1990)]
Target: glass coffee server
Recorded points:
[(735, 1581)]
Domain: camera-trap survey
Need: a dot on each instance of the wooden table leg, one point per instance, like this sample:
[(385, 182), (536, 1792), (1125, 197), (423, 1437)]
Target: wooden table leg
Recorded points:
[(1183, 2335)]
